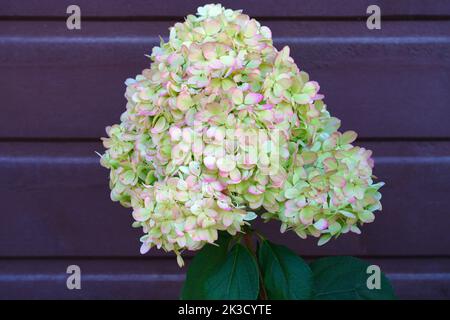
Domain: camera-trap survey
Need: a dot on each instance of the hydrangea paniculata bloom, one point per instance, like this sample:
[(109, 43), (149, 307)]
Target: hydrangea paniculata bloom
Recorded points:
[(223, 124)]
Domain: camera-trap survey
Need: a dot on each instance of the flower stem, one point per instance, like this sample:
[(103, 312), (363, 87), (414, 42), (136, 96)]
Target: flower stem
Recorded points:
[(248, 241)]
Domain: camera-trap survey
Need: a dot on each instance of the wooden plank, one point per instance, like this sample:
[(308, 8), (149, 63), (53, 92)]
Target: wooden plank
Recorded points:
[(62, 83), (414, 278), (258, 8), (56, 203), (100, 279)]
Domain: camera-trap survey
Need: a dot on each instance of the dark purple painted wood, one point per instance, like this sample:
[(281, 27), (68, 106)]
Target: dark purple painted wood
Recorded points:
[(58, 84), (56, 203), (376, 82), (100, 279), (162, 279), (258, 8)]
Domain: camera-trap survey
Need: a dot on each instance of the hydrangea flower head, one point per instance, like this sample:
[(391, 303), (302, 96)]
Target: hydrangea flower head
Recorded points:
[(223, 124)]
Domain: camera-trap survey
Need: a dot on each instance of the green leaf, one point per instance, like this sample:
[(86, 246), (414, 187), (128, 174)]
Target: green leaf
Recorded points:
[(219, 273), (237, 277), (203, 266), (346, 278), (285, 274)]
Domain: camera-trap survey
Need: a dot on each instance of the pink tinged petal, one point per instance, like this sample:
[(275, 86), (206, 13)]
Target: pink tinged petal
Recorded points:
[(227, 220), (143, 95), (254, 190), (237, 96), (190, 223), (337, 181), (211, 132), (291, 193), (216, 185), (291, 204), (182, 196), (209, 51), (179, 231), (212, 26), (251, 29), (216, 64), (226, 164), (307, 215), (210, 162), (318, 96), (330, 164), (301, 203), (223, 205), (141, 214), (309, 157), (194, 168), (223, 197), (227, 61), (253, 98), (145, 247), (310, 88), (148, 202), (223, 174), (182, 185), (203, 235), (147, 112), (245, 87), (184, 101), (219, 135), (235, 175), (166, 227), (278, 179), (175, 133), (322, 224), (335, 201), (253, 64), (270, 107), (302, 98), (290, 212), (227, 84), (130, 81), (265, 32), (348, 137), (347, 214), (159, 126), (191, 181), (209, 179), (197, 147), (195, 236), (186, 135)]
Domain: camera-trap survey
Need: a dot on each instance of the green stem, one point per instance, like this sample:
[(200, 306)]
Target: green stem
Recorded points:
[(249, 244)]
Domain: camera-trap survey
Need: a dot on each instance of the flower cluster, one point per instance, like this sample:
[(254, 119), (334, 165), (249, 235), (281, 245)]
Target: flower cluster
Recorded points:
[(223, 123)]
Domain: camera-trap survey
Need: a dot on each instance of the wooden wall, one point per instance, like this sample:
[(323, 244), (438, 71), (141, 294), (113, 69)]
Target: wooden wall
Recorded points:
[(60, 88)]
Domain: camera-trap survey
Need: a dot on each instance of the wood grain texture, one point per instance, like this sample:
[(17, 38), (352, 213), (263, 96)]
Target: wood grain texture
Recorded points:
[(60, 86), (56, 203), (256, 8), (162, 279), (376, 83)]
